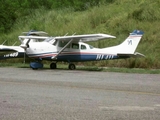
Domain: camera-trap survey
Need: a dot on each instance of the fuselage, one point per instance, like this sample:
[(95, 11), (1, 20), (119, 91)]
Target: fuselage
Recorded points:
[(11, 52), (75, 52)]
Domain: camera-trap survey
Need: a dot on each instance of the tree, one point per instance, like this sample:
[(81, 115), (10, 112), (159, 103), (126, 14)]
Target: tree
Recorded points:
[(7, 15)]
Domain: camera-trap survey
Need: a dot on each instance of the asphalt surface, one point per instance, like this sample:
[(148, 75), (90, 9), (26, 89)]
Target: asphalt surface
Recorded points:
[(78, 95)]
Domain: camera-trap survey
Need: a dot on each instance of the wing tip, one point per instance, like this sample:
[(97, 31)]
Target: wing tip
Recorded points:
[(107, 35)]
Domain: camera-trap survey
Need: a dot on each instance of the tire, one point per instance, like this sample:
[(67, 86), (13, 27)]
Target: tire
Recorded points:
[(34, 68), (53, 66), (72, 66)]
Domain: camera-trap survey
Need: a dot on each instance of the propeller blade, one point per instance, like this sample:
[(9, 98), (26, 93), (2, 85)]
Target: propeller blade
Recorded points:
[(25, 45)]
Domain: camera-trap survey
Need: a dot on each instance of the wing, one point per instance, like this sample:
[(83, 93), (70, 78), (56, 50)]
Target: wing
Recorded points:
[(85, 38), (76, 38), (4, 48)]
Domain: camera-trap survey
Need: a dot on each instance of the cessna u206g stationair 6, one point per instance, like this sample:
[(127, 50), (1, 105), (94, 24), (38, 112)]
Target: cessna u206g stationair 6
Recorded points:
[(73, 49)]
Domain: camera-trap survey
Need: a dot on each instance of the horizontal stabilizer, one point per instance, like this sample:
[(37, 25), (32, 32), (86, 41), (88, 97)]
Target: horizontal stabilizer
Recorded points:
[(32, 37), (35, 33), (135, 55), (138, 54)]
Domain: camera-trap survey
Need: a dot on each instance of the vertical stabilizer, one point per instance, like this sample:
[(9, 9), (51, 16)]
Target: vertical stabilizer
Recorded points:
[(130, 44)]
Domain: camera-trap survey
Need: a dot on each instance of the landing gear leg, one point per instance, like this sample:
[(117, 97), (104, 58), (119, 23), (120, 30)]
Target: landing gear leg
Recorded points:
[(72, 66), (53, 66)]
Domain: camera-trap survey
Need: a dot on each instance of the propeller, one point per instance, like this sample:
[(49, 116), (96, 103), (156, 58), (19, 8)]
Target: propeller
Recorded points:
[(25, 45), (25, 42)]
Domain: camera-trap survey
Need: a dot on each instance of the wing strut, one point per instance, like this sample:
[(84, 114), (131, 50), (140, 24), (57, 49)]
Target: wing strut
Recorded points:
[(54, 57)]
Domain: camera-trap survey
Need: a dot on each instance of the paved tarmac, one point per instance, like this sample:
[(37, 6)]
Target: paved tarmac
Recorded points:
[(78, 95)]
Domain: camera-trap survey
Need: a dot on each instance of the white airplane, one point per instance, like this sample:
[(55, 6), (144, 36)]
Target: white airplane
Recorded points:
[(73, 49), (11, 52), (7, 52)]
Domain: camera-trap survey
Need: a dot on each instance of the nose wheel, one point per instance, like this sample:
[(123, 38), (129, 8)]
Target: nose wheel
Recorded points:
[(72, 66)]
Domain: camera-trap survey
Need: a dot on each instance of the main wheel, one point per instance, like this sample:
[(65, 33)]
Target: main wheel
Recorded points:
[(53, 66), (72, 66)]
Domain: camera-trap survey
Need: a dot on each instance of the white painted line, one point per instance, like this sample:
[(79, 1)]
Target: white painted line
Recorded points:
[(127, 108)]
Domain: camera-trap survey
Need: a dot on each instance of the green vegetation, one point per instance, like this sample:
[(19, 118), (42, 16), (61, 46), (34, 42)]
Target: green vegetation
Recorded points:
[(115, 17), (88, 68)]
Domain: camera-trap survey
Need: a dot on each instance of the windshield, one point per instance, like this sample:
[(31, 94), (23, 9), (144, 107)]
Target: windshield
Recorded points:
[(91, 47)]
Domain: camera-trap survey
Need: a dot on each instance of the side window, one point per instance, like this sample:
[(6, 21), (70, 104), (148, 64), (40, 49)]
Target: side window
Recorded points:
[(83, 47), (75, 46)]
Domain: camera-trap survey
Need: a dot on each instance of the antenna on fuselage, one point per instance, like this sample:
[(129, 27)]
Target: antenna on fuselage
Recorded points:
[(14, 43), (66, 34), (73, 34), (4, 42)]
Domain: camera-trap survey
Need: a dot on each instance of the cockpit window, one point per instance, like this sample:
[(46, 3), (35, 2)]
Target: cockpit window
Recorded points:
[(83, 47), (51, 40), (48, 39)]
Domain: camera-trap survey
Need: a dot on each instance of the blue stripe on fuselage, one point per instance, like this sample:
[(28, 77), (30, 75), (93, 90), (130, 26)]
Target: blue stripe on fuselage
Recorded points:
[(76, 57), (84, 57)]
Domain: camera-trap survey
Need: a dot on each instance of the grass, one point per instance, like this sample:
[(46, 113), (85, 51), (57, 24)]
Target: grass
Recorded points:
[(88, 68)]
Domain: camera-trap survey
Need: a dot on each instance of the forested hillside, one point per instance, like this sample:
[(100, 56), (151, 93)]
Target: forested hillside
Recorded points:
[(11, 10), (115, 17)]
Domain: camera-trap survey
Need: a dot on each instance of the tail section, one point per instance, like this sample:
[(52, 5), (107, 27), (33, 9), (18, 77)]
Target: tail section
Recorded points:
[(128, 47), (130, 44)]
